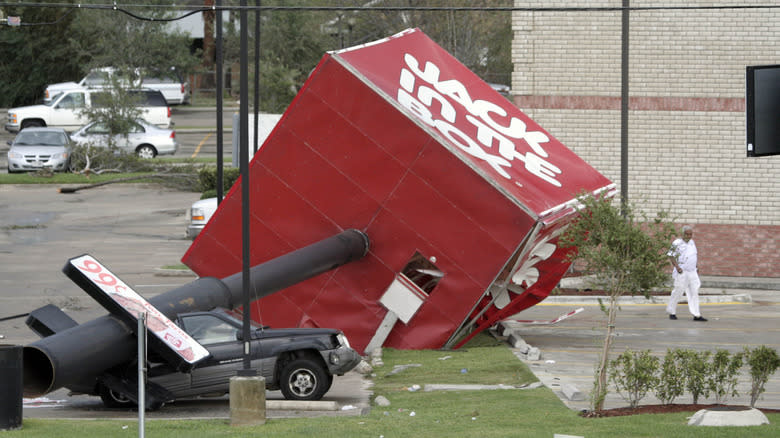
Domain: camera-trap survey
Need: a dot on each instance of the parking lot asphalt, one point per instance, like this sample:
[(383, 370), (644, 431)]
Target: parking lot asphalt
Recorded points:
[(136, 230)]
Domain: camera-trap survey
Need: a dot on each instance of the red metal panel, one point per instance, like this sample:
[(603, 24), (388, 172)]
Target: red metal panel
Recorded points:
[(372, 114), (490, 211), (429, 326), (447, 229), (345, 148), (480, 125)]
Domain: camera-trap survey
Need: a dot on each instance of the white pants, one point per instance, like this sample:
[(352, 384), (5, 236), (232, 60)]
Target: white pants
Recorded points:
[(688, 282)]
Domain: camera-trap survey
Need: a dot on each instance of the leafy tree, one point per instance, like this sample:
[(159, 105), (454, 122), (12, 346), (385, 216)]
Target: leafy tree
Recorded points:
[(63, 44), (34, 53), (110, 38), (293, 42), (623, 255), (480, 40)]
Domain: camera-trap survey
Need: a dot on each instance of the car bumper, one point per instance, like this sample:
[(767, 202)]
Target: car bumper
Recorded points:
[(25, 166), (341, 360), (194, 230), (12, 128)]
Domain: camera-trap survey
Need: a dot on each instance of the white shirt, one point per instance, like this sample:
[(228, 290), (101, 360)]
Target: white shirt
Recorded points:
[(685, 253)]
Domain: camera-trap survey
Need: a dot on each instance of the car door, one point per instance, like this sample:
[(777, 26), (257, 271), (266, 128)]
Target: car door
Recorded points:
[(220, 338), (66, 112)]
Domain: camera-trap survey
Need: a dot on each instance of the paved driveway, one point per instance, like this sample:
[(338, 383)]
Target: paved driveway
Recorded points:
[(135, 230)]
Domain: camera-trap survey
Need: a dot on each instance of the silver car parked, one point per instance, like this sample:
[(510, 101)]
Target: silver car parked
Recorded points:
[(144, 139), (40, 148)]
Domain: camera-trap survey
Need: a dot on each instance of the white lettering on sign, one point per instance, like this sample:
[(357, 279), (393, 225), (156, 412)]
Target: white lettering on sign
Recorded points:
[(432, 100), (180, 341)]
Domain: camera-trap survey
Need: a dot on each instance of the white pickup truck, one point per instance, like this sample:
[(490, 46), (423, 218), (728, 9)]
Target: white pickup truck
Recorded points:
[(65, 111), (175, 89)]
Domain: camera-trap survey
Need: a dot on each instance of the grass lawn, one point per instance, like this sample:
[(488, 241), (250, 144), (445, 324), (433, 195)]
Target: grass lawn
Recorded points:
[(489, 413)]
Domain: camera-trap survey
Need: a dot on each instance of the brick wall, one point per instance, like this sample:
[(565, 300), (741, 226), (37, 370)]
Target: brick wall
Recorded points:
[(686, 113)]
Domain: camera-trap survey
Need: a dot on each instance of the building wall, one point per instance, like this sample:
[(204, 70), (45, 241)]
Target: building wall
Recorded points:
[(686, 113)]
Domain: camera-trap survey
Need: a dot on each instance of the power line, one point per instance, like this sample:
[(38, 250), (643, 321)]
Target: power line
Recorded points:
[(125, 9)]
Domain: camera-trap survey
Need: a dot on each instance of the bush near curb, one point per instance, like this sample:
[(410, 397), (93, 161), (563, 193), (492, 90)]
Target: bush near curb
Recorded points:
[(635, 373), (207, 178), (763, 362)]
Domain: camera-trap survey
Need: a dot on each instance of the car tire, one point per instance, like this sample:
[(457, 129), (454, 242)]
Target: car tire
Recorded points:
[(304, 379), (146, 151), (113, 399), (32, 124)]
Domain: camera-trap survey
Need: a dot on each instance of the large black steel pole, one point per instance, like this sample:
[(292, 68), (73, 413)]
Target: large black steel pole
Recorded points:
[(86, 350), (244, 164), (624, 96), (256, 142), (220, 86)]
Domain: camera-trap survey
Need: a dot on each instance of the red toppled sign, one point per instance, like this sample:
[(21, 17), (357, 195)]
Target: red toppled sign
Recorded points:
[(462, 195)]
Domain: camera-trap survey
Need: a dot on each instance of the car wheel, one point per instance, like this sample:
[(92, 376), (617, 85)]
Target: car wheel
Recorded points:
[(33, 124), (146, 151), (114, 399), (304, 379)]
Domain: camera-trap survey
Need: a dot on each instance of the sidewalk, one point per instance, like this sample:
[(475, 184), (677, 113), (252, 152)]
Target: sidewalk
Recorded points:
[(742, 313)]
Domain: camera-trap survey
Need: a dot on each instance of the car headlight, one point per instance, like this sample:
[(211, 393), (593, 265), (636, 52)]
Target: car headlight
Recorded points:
[(12, 117), (343, 340), (198, 214), (15, 155), (60, 156)]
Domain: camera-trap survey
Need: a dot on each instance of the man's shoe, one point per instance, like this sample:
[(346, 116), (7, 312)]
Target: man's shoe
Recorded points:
[(699, 318), (672, 316)]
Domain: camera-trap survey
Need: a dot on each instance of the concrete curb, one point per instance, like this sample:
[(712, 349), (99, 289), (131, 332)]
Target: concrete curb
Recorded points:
[(301, 405), (641, 300)]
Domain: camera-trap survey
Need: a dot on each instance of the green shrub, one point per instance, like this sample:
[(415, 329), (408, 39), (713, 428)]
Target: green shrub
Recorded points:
[(696, 368), (724, 370), (634, 374), (763, 362), (671, 382), (207, 178)]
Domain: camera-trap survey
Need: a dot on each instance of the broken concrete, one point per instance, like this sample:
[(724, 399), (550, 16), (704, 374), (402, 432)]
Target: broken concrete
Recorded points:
[(571, 392)]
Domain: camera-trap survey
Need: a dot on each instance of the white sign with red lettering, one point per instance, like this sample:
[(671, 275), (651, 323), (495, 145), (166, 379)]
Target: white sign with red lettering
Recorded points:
[(163, 328)]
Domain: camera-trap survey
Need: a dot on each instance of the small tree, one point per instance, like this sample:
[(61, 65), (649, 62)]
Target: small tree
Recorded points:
[(623, 255), (634, 374), (672, 379), (724, 371), (116, 109), (763, 362)]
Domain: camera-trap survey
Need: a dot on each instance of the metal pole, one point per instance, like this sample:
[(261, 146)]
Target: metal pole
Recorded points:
[(220, 128), (257, 74), (141, 335), (244, 152), (624, 111)]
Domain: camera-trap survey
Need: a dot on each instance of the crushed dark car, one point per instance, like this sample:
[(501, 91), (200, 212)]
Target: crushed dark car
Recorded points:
[(301, 362)]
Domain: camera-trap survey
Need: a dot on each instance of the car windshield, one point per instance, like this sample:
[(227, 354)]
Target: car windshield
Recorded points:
[(237, 316), (38, 138), (53, 99), (94, 78)]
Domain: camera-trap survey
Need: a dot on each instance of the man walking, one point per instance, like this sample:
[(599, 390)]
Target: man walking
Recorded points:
[(683, 256)]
